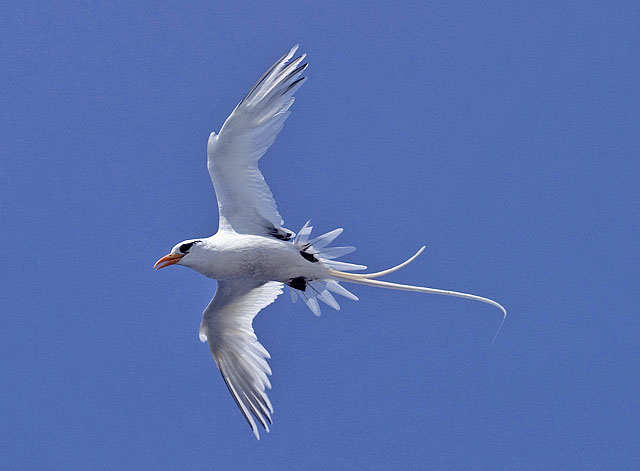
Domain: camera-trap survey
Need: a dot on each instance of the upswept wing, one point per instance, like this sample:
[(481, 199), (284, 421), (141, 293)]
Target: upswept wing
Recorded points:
[(245, 203), (227, 326)]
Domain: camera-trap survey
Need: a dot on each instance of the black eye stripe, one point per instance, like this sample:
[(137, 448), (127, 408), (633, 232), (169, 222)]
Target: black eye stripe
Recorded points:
[(184, 248)]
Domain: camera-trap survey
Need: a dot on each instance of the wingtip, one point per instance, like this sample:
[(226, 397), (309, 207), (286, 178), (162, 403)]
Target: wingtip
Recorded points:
[(287, 57)]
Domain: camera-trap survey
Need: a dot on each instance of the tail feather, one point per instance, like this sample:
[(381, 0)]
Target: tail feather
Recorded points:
[(321, 289), (366, 279), (333, 285), (325, 239), (334, 264), (313, 290), (303, 234), (323, 294), (330, 253)]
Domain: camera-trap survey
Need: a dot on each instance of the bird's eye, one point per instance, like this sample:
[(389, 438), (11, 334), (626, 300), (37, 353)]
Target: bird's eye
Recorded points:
[(184, 248)]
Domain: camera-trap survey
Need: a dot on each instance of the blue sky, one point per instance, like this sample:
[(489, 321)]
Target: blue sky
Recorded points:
[(502, 135)]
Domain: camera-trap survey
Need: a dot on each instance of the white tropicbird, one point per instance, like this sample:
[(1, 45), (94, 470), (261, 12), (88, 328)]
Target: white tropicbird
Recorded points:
[(252, 255)]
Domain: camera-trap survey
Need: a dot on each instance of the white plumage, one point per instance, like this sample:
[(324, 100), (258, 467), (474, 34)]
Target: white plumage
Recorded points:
[(245, 202), (252, 255)]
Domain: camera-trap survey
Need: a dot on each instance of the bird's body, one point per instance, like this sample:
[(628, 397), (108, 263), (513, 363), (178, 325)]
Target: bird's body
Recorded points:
[(229, 255), (252, 255)]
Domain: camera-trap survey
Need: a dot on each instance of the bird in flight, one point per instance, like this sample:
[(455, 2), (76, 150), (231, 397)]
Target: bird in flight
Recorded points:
[(252, 256)]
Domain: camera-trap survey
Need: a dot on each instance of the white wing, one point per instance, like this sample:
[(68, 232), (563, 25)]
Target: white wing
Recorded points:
[(226, 325), (245, 202)]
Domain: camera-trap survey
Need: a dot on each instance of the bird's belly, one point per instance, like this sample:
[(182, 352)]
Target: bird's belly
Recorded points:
[(264, 259)]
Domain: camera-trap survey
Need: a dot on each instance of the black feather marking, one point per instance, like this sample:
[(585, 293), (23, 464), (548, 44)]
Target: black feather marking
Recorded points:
[(264, 76), (294, 84), (299, 283), (309, 256), (265, 408), (281, 233), (295, 72), (287, 73), (235, 398)]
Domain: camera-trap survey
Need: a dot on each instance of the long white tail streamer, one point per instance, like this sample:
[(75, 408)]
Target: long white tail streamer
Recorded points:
[(367, 279)]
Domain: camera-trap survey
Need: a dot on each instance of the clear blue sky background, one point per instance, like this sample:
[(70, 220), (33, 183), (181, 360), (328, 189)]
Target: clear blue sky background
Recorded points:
[(503, 135)]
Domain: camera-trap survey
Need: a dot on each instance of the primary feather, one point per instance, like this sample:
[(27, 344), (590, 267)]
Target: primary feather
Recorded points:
[(245, 202)]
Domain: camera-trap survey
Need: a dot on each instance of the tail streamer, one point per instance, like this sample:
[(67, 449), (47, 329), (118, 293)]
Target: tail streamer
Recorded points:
[(313, 290), (368, 280)]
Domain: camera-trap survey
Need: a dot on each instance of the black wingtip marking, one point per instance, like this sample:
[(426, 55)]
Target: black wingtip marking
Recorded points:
[(266, 409), (301, 79), (264, 76), (297, 71), (235, 398), (271, 69)]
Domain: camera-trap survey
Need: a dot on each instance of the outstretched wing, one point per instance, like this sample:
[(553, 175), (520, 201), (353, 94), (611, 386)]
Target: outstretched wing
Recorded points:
[(245, 202), (227, 326)]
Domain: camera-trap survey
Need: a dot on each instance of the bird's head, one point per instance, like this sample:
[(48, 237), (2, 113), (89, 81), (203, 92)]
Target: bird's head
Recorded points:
[(180, 254)]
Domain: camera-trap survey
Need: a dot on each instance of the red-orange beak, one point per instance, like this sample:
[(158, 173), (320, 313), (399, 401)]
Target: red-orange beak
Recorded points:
[(170, 259)]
